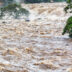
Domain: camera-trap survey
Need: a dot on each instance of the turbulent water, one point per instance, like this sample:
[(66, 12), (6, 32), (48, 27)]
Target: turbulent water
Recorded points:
[(36, 45)]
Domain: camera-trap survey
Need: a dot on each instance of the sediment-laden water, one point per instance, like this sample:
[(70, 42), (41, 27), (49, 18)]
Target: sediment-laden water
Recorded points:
[(36, 45)]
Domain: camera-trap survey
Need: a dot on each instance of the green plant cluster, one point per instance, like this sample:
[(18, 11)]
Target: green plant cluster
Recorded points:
[(36, 1), (68, 27), (39, 1), (14, 10), (69, 6)]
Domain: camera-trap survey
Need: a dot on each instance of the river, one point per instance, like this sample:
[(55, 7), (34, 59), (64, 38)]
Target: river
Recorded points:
[(36, 45)]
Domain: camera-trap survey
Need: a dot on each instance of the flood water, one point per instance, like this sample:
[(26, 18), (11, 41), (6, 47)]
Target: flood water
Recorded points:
[(37, 45)]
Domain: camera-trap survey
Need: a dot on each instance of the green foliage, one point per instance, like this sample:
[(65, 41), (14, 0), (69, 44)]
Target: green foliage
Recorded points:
[(69, 1), (13, 9), (39, 1), (36, 1), (69, 6), (68, 27)]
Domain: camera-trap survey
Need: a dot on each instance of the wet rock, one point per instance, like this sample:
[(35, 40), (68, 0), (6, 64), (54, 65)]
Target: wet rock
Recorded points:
[(67, 44), (4, 22), (27, 20)]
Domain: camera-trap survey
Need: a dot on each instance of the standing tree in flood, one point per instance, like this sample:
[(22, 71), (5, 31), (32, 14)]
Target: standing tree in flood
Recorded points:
[(13, 8), (68, 27)]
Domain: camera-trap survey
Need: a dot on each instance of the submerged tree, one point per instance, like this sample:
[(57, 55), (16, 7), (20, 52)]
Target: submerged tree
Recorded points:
[(68, 27), (13, 9)]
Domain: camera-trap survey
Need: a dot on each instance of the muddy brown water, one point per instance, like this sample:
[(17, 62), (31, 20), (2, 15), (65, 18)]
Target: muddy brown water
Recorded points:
[(37, 45)]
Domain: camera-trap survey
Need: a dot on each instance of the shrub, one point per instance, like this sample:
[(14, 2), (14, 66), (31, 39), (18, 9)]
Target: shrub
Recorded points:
[(14, 10), (68, 27), (36, 1), (39, 1)]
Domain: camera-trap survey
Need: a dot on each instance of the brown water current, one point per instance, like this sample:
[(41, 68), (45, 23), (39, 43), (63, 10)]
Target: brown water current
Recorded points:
[(37, 45)]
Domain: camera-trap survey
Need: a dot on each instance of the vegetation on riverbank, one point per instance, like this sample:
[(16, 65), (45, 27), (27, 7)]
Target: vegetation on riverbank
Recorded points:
[(14, 10), (68, 27), (39, 1)]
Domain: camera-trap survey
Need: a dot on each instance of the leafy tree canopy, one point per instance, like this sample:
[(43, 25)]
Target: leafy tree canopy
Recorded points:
[(14, 10), (68, 27)]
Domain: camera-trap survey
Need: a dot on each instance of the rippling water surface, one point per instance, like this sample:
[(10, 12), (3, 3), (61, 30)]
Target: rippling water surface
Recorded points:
[(37, 45)]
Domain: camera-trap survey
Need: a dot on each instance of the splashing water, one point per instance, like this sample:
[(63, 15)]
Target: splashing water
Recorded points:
[(37, 45)]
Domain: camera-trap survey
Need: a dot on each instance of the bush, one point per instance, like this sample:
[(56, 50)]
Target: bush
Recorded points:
[(14, 10), (68, 27), (39, 1), (36, 1)]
